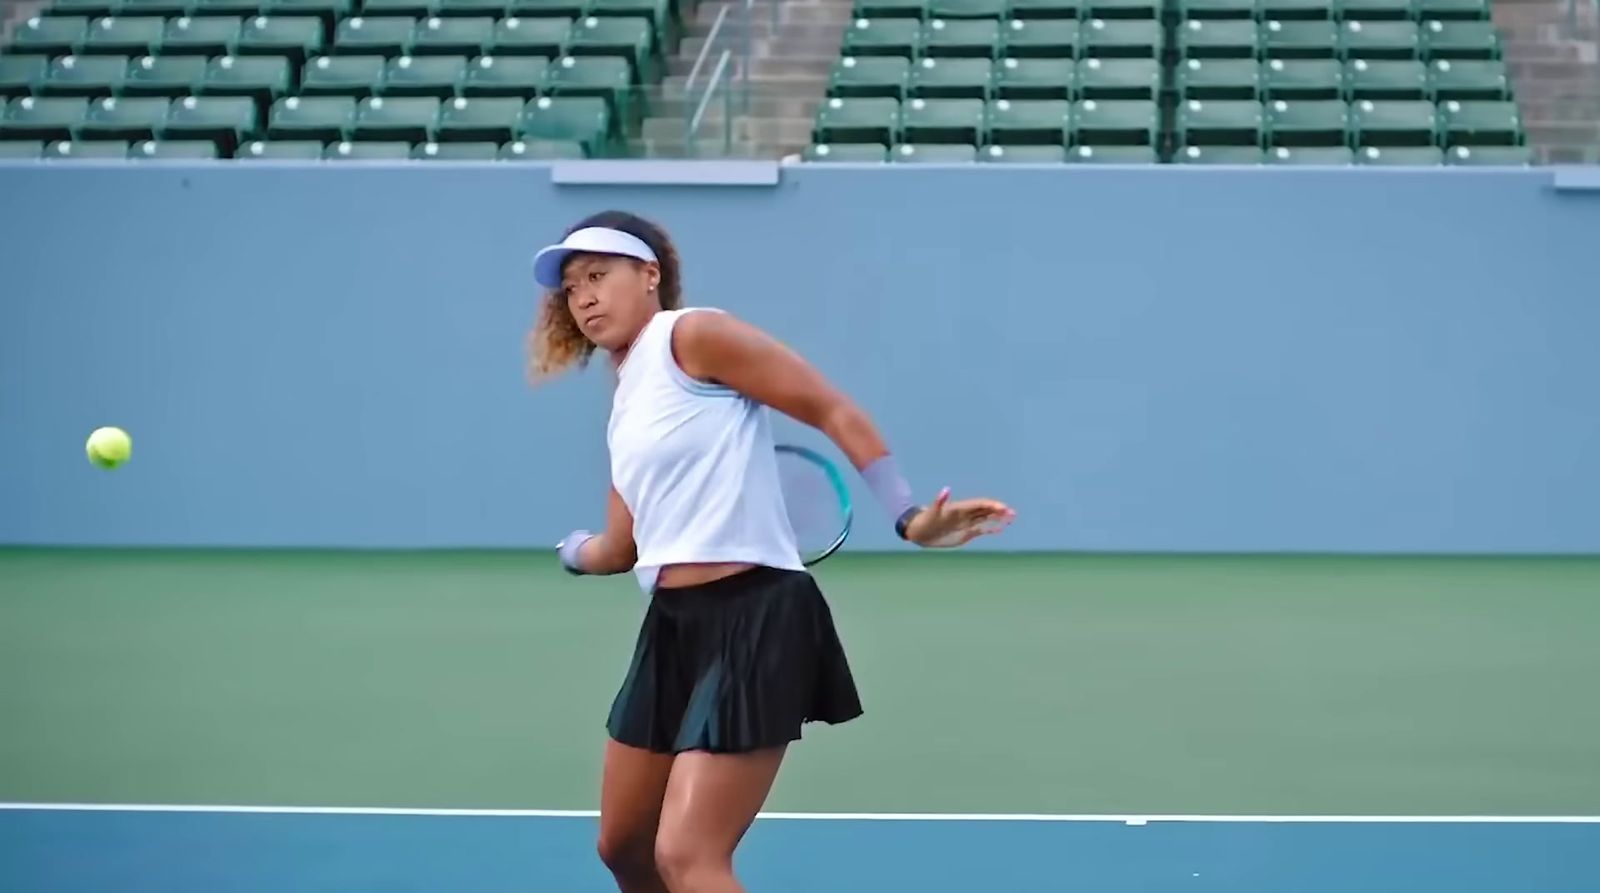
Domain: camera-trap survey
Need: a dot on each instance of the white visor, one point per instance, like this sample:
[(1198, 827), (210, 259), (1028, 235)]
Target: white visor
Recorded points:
[(591, 240)]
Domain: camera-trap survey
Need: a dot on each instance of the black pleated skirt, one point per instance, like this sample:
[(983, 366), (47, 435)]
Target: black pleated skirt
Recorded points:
[(734, 665)]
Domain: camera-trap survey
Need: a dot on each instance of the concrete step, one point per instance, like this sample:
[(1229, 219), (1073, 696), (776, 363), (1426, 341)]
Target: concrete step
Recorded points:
[(816, 65), (788, 14)]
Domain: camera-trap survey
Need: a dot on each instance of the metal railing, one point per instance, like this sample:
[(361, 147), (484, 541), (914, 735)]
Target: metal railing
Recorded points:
[(731, 43), (718, 78)]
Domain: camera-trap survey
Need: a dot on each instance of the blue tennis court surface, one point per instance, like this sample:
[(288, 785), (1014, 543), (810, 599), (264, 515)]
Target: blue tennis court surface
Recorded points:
[(65, 849)]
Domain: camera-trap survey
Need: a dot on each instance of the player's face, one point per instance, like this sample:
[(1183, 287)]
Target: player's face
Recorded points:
[(609, 297)]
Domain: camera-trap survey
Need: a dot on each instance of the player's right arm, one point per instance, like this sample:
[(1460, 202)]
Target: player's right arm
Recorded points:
[(610, 552)]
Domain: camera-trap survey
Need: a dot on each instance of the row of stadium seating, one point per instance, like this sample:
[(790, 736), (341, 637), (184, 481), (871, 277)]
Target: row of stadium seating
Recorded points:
[(943, 153), (1181, 81), (568, 73), (301, 150)]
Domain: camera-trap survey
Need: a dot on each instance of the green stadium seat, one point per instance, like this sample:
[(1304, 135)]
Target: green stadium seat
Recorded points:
[(1439, 10), (941, 121), (1468, 79), (1292, 39), (50, 35), (119, 118), (205, 35), (546, 9), (43, 118), (85, 76), (173, 150), (391, 150), (542, 150), (312, 117), (845, 119), (437, 76), (342, 76), (1400, 156), (1296, 10), (1218, 39), (883, 37), (662, 14), (298, 38), (965, 9), (933, 153), (1045, 9), (1218, 79), (280, 150), (1041, 38), (91, 9), (1113, 38), (632, 38), (263, 78), (1112, 122), (1495, 156), (410, 8), (227, 120), (1035, 78), (530, 37), (1112, 154), (390, 118), (86, 150), (1123, 9), (494, 9), (325, 11), (1389, 123), (1312, 155), (118, 36), (577, 119), (1307, 123), (21, 150), (1386, 79), (889, 9), (952, 78), (162, 8), (885, 76), (493, 118), (1235, 155), (22, 75), (1023, 154), (1380, 40), (1216, 9), (1014, 122), (1300, 79), (1118, 78), (521, 76), (1480, 123), (961, 37), (164, 76), (468, 36), (1460, 40), (1218, 122), (1374, 10), (241, 8), (374, 35), (848, 152), (456, 151)]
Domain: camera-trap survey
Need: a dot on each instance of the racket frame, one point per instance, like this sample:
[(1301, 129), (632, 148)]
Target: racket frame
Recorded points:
[(841, 491)]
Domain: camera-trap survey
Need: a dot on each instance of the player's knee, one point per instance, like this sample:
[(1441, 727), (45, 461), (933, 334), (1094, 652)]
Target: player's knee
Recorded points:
[(681, 859), (627, 856)]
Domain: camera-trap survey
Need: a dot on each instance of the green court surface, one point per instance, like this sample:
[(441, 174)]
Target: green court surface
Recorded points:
[(993, 683)]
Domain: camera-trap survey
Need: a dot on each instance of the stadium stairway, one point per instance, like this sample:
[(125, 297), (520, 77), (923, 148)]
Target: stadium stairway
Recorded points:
[(1553, 57), (792, 50)]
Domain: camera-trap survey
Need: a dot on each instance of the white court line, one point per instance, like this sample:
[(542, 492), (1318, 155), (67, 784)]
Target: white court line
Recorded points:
[(818, 816)]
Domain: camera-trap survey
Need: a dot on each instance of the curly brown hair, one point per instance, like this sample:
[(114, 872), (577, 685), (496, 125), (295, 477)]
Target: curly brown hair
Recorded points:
[(556, 344)]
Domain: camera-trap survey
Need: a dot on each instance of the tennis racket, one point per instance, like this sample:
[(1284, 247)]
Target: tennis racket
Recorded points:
[(817, 499)]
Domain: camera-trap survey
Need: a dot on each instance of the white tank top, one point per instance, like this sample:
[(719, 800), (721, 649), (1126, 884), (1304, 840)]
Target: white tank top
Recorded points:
[(695, 463)]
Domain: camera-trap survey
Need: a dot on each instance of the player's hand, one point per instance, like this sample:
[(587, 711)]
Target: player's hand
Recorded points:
[(948, 523)]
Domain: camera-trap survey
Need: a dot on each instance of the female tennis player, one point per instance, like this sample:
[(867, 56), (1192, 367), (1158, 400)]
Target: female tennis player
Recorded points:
[(738, 647)]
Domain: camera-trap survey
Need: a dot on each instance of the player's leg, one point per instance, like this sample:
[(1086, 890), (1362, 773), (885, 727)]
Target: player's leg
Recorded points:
[(711, 801), (632, 787)]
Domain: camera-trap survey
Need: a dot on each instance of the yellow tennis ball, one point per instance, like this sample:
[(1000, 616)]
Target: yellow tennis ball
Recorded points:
[(109, 447)]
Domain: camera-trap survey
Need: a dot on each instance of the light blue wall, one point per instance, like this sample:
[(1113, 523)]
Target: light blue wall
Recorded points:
[(1138, 359)]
